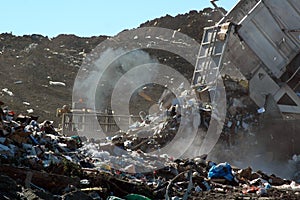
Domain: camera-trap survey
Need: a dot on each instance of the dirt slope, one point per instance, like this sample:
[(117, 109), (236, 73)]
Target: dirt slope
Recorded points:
[(28, 63)]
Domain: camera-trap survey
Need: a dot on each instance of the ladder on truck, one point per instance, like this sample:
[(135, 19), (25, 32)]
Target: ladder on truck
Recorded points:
[(210, 56)]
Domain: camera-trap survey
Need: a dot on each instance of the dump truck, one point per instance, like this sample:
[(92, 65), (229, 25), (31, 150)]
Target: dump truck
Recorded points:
[(258, 41)]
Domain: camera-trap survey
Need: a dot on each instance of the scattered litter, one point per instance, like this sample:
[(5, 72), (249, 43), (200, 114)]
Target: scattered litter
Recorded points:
[(18, 82), (30, 111), (121, 166), (261, 110), (5, 90), (26, 103), (57, 83), (222, 170), (84, 181)]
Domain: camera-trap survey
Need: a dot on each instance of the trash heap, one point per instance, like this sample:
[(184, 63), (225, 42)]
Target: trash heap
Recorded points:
[(39, 162)]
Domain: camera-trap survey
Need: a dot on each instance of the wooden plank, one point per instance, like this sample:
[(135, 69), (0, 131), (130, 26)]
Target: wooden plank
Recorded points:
[(51, 182)]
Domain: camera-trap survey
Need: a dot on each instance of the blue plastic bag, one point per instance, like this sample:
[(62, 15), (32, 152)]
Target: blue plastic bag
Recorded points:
[(222, 170)]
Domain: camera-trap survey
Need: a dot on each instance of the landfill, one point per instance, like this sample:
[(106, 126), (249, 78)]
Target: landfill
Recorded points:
[(39, 161)]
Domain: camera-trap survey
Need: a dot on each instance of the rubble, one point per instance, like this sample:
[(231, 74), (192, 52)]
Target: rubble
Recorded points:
[(37, 161), (43, 161)]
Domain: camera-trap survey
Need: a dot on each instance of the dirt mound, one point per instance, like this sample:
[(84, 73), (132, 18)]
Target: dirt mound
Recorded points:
[(191, 23), (28, 63)]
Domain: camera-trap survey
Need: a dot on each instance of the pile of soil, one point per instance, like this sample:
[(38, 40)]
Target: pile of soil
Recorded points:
[(29, 62)]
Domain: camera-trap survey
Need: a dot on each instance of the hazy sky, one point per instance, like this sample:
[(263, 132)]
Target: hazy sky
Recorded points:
[(90, 17)]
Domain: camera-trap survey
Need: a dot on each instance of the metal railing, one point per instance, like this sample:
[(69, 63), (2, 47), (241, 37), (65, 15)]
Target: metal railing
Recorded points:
[(73, 123)]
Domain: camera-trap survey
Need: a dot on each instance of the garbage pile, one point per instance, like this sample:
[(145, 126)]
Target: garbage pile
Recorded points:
[(26, 142), (39, 162)]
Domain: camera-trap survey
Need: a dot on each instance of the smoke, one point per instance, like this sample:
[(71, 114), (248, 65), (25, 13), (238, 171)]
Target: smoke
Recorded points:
[(251, 151), (99, 75)]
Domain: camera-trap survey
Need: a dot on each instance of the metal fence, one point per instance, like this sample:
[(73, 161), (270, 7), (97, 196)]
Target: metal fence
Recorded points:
[(73, 123)]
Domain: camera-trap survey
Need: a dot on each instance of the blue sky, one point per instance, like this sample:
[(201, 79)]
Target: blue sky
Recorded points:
[(90, 17)]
